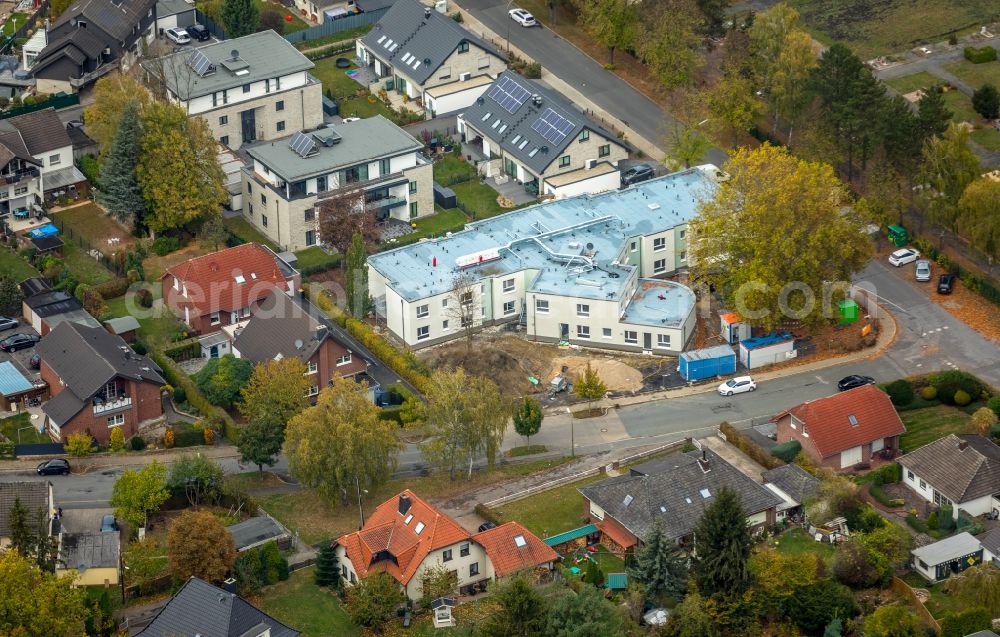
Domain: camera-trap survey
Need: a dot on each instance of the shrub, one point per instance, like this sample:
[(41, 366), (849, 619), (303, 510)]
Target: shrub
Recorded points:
[(994, 404), (113, 288), (881, 496), (888, 473), (117, 441), (184, 350), (457, 17), (195, 398), (7, 449), (966, 622), (946, 518), (164, 245), (180, 395), (929, 392), (948, 383), (91, 170), (209, 435), (188, 436), (79, 445), (168, 439), (533, 71), (932, 521), (980, 55), (137, 443), (144, 298), (900, 392), (787, 451), (962, 398)]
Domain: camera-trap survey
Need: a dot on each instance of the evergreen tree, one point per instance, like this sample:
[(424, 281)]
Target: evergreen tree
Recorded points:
[(521, 614), (586, 614), (22, 539), (121, 193), (528, 417), (356, 284), (723, 545), (10, 295), (594, 575), (240, 17), (932, 113), (986, 101), (327, 569), (660, 566)]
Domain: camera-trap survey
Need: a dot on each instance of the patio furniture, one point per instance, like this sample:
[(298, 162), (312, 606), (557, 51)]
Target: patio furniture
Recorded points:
[(21, 213)]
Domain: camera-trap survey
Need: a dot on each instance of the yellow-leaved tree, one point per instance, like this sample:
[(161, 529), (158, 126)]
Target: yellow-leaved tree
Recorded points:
[(33, 602), (111, 94)]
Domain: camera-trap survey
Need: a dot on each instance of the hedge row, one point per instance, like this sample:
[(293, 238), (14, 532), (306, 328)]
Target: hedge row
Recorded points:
[(787, 451), (331, 261), (972, 280), (7, 449), (980, 55), (380, 347), (184, 350), (488, 514), (112, 289), (188, 436), (176, 377), (749, 447)]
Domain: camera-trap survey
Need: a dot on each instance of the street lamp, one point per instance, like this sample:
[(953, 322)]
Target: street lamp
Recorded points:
[(572, 425)]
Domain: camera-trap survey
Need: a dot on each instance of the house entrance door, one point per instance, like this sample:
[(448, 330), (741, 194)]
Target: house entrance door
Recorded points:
[(248, 124)]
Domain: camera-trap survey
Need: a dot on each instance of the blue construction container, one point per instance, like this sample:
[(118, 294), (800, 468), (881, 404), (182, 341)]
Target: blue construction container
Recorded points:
[(710, 362)]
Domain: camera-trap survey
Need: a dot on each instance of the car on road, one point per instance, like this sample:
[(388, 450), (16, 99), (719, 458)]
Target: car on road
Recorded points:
[(903, 256), (854, 381), (54, 467), (946, 283), (198, 32), (737, 385), (522, 17), (178, 35), (923, 270), (637, 173), (19, 341), (109, 524), (8, 323)]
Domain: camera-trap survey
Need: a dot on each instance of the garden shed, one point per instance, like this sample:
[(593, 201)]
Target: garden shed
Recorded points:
[(767, 350), (709, 362), (954, 554)]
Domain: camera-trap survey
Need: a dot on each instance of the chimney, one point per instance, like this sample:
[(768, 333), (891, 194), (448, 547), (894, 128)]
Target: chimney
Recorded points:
[(703, 462), (404, 504), (963, 445), (427, 13), (320, 332), (229, 585)]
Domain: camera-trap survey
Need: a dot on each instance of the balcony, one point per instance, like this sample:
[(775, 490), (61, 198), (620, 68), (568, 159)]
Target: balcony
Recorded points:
[(385, 203), (19, 175), (106, 407)]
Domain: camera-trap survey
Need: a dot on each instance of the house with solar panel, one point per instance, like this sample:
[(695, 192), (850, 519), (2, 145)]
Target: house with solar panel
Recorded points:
[(586, 270), (538, 138), (428, 57), (372, 160), (257, 87)]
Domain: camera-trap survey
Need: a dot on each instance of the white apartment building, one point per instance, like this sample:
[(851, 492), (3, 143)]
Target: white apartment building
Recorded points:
[(576, 270)]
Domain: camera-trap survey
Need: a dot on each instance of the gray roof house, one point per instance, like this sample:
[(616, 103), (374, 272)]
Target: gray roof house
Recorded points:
[(416, 48), (200, 609), (259, 530), (92, 557), (791, 483), (962, 470), (36, 497), (939, 560), (675, 490), (539, 137)]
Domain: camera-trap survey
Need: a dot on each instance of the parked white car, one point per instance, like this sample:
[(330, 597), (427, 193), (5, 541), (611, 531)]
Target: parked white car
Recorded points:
[(903, 256), (737, 385), (522, 17), (923, 270), (178, 35)]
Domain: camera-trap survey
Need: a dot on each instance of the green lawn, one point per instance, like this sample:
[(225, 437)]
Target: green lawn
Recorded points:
[(909, 83), (988, 138), (315, 259), (10, 426), (243, 229), (14, 21), (11, 263), (975, 74), (335, 80), (960, 105), (939, 602), (550, 512), (798, 542), (930, 423), (340, 36), (452, 168), (84, 267), (442, 221), (479, 199), (298, 602), (158, 327), (365, 107)]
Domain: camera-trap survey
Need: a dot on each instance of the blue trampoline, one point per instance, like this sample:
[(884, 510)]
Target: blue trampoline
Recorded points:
[(48, 230)]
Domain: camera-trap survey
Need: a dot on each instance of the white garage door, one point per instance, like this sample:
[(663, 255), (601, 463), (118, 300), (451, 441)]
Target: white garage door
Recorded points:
[(878, 445), (850, 457)]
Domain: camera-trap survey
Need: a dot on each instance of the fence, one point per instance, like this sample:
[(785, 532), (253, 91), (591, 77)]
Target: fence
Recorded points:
[(56, 102), (331, 27), (904, 589), (209, 23), (69, 233)]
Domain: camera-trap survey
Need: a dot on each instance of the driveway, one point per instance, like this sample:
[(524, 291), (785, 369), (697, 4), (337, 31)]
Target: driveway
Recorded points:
[(21, 357), (83, 520)]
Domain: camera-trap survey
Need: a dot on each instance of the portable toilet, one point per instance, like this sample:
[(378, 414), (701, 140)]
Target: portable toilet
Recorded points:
[(699, 364), (848, 311), (898, 236), (733, 328)]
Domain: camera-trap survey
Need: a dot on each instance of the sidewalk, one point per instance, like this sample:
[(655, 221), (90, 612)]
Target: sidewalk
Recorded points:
[(106, 460)]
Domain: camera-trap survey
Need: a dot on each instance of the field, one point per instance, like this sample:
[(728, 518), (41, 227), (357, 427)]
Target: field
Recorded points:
[(798, 542), (889, 26), (910, 83), (12, 264), (300, 603), (975, 74), (93, 224), (930, 423)]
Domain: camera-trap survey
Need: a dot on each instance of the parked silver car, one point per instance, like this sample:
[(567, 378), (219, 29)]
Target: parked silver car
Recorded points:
[(923, 270)]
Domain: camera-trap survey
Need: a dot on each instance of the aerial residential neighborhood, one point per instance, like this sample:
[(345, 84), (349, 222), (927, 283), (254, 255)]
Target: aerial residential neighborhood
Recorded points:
[(670, 318)]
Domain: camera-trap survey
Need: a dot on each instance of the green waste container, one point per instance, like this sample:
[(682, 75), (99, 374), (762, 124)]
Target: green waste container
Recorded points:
[(898, 236), (848, 311)]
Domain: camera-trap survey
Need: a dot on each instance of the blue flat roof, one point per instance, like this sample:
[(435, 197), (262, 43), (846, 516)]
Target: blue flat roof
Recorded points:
[(12, 381), (589, 226), (659, 303), (767, 339)]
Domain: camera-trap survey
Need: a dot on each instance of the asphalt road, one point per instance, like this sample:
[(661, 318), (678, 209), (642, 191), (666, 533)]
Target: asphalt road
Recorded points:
[(605, 89)]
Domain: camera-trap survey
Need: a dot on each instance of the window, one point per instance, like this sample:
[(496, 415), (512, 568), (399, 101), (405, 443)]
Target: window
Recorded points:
[(923, 485), (215, 99), (909, 475), (344, 360), (343, 571), (413, 187), (246, 88), (467, 321), (214, 318), (466, 298), (117, 419), (606, 332), (353, 580), (444, 325), (280, 126), (604, 151), (263, 199), (582, 309), (263, 220), (564, 161), (383, 167), (310, 237), (279, 105), (659, 243), (55, 160), (463, 550), (508, 285), (224, 140), (309, 214), (542, 306), (445, 73), (223, 120), (446, 555), (660, 265), (312, 391), (311, 367), (463, 47), (277, 87), (584, 135), (423, 311), (413, 210), (682, 234), (663, 341), (635, 246), (684, 255), (321, 184), (444, 302), (631, 336), (267, 86), (423, 332), (473, 569), (583, 331), (20, 191), (4, 194), (249, 187), (508, 308)]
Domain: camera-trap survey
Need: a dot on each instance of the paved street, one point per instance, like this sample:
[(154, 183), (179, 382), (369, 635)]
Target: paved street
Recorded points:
[(605, 89)]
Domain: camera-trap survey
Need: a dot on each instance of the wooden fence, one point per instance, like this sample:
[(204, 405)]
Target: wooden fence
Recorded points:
[(904, 589)]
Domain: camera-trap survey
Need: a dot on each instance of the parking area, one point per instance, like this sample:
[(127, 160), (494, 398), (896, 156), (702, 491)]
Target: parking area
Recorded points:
[(21, 358), (83, 520)]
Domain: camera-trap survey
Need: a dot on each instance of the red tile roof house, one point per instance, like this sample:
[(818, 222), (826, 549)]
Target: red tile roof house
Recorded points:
[(221, 288), (842, 431), (405, 536)]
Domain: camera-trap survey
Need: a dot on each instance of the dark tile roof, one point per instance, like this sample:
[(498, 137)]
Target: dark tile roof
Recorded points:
[(78, 45), (991, 540), (54, 302), (430, 39), (676, 489), (92, 549), (282, 326), (116, 17), (63, 407), (254, 531), (34, 285), (962, 467), (538, 152), (34, 497), (12, 145), (793, 480), (41, 130), (199, 608)]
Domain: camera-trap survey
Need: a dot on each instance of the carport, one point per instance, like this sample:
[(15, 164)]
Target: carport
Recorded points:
[(15, 387)]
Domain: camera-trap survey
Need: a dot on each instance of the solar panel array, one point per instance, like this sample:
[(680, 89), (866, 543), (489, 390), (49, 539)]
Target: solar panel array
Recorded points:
[(553, 126), (509, 94), (302, 144), (199, 62)]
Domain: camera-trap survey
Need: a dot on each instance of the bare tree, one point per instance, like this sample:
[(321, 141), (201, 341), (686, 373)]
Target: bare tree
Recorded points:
[(343, 214), (462, 304), (166, 70)]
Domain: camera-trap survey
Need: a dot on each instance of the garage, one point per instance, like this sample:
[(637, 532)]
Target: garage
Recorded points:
[(850, 457)]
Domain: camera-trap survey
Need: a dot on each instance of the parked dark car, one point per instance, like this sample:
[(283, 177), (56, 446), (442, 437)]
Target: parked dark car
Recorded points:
[(854, 381), (8, 323), (198, 32), (19, 341), (35, 361), (54, 467), (486, 526), (637, 173), (109, 524), (946, 283)]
